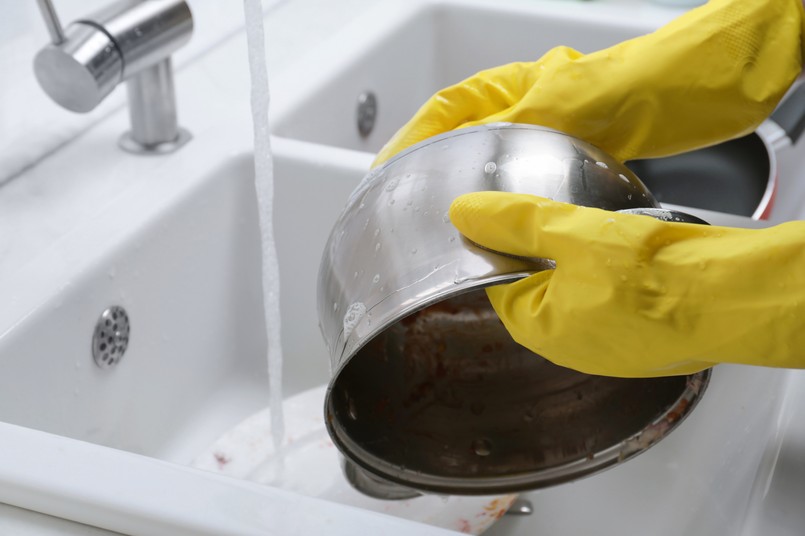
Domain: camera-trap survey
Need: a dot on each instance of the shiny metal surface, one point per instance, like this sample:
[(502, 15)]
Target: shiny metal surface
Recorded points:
[(80, 72), (110, 339), (375, 486), (429, 391), (146, 32), (129, 40), (366, 113), (152, 112), (666, 215), (520, 507)]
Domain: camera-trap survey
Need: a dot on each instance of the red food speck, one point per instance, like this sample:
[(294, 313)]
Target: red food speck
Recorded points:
[(464, 526), (221, 459)]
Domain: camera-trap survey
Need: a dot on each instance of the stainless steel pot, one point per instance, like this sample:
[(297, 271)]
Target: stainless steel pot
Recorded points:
[(738, 176), (429, 392)]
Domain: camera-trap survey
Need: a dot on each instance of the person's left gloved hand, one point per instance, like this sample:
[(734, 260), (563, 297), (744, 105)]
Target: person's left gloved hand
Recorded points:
[(633, 296), (712, 74)]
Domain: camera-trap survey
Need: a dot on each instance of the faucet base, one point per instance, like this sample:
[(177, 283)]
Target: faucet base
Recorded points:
[(128, 144)]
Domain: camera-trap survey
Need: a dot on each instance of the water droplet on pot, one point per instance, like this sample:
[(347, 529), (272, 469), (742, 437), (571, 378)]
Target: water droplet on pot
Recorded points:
[(482, 447)]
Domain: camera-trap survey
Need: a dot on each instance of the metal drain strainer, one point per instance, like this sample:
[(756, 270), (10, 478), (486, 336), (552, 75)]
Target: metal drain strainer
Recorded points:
[(111, 337), (367, 113)]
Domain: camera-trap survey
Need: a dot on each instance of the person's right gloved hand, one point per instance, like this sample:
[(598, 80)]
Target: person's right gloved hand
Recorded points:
[(633, 296)]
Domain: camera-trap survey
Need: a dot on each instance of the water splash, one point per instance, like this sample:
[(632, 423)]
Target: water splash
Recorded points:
[(352, 317)]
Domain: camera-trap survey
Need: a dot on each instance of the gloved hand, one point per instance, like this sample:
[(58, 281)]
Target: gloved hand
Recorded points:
[(634, 296), (712, 74), (631, 295)]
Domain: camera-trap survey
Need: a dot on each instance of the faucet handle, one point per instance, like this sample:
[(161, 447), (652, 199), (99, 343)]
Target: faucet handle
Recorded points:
[(81, 70), (51, 21)]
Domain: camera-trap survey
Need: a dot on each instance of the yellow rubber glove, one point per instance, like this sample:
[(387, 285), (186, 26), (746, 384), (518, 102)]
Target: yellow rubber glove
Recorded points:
[(712, 74), (633, 296)]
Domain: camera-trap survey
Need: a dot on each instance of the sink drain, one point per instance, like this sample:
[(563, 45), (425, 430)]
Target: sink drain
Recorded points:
[(367, 113), (111, 337)]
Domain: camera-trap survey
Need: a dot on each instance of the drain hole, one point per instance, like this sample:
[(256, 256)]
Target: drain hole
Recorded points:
[(366, 113), (111, 337)]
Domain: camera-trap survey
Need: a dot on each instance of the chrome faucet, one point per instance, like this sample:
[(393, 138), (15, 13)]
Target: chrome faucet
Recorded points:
[(131, 40)]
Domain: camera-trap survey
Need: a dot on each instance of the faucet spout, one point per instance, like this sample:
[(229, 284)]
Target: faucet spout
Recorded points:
[(132, 41)]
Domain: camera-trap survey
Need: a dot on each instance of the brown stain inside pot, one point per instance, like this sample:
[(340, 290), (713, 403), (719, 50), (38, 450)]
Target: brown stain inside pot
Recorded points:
[(447, 392)]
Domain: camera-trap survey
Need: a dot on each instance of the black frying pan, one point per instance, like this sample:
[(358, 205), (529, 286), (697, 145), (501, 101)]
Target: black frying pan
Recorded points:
[(738, 176)]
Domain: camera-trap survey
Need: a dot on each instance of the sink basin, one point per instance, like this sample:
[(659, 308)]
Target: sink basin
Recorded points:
[(174, 240), (405, 52), (186, 267), (189, 278)]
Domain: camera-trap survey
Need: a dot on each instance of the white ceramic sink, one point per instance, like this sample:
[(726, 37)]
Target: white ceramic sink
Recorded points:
[(175, 241), (186, 267), (188, 275)]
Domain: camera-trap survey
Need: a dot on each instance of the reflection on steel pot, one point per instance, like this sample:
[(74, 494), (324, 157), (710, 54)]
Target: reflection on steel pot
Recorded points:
[(738, 176), (429, 391)]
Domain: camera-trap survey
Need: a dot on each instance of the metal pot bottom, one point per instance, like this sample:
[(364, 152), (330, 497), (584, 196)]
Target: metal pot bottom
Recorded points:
[(445, 401)]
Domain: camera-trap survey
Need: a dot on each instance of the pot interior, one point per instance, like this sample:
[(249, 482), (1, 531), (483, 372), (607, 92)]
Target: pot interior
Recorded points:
[(446, 401), (730, 177)]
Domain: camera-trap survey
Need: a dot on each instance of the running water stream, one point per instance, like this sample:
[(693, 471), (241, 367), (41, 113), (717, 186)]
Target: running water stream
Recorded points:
[(264, 186)]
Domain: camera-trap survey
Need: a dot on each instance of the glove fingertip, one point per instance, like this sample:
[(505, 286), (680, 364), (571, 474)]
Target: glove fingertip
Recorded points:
[(465, 211), (506, 222)]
